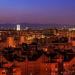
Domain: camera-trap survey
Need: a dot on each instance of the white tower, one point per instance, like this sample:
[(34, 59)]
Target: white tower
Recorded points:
[(18, 27)]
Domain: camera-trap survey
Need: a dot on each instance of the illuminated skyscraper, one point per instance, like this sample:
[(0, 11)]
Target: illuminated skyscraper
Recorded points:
[(18, 27)]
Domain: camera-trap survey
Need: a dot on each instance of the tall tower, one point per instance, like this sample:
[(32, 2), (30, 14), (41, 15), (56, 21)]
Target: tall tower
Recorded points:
[(18, 27)]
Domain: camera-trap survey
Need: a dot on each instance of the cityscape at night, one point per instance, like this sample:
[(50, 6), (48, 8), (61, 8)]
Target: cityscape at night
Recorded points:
[(37, 37)]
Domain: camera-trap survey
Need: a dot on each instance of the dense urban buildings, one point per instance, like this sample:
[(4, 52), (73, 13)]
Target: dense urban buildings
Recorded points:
[(37, 52), (37, 37), (24, 26)]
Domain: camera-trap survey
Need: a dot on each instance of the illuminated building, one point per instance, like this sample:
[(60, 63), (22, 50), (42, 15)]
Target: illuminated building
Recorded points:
[(2, 71), (10, 42), (18, 27), (16, 71), (22, 39)]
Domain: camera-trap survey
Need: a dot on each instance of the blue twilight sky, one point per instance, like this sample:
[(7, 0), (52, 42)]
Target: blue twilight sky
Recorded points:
[(37, 11)]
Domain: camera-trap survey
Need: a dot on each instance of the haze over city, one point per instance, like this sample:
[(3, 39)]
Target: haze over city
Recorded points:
[(37, 11)]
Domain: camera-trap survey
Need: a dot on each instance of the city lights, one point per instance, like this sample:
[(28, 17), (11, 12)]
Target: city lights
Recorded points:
[(18, 27)]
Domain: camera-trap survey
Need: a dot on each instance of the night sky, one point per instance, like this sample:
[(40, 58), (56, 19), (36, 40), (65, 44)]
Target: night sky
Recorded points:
[(37, 11)]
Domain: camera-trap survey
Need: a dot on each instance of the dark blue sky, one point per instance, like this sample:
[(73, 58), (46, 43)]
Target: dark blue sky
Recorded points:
[(37, 11)]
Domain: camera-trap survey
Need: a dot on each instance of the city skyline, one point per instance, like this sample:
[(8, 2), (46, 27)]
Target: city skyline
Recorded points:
[(41, 11)]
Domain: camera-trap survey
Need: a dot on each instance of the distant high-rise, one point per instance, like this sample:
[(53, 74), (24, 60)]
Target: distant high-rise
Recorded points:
[(18, 27)]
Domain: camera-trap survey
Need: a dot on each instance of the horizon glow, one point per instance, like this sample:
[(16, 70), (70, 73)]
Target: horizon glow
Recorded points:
[(37, 11)]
